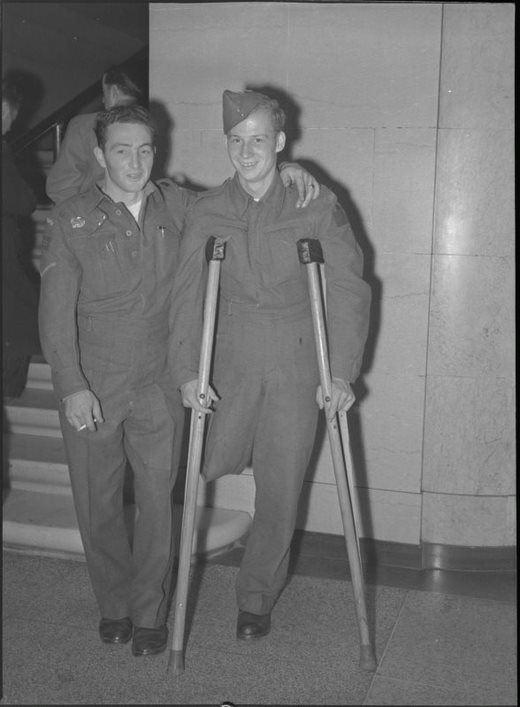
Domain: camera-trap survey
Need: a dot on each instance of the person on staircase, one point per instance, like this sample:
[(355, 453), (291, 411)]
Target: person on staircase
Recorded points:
[(108, 262), (76, 168), (20, 290)]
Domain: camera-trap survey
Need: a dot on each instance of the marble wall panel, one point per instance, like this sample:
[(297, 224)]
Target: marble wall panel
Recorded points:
[(385, 515), (201, 49), (387, 438), (343, 159), (399, 317), (469, 444), (467, 520), (404, 176), (472, 317), (478, 55), (475, 206), (365, 64), (199, 156)]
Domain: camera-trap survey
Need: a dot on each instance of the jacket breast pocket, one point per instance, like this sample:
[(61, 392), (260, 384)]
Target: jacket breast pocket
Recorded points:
[(103, 263), (167, 241), (279, 255)]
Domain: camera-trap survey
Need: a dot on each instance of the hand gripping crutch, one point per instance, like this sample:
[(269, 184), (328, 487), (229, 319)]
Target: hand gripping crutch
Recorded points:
[(215, 253), (310, 254)]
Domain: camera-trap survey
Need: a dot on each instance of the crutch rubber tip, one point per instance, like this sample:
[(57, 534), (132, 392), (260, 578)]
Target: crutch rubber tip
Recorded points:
[(176, 662), (309, 251), (367, 659)]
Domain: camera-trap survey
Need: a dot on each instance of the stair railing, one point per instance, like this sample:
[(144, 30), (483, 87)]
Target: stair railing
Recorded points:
[(57, 121)]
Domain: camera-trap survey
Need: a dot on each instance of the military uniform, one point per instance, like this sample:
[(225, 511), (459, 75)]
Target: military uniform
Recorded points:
[(106, 285), (265, 368)]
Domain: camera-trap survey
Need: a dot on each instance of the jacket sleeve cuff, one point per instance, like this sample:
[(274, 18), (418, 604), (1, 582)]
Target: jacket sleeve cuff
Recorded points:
[(68, 381)]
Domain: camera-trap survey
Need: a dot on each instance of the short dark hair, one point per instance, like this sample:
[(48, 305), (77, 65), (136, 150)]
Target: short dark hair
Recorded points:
[(115, 76), (276, 112), (122, 114)]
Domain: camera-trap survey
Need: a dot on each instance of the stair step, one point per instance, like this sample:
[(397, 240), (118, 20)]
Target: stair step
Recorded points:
[(37, 463), (39, 375), (47, 523), (35, 412), (38, 511)]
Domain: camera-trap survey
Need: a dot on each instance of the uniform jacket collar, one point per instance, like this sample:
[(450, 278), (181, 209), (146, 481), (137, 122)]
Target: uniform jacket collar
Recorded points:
[(241, 200), (95, 196)]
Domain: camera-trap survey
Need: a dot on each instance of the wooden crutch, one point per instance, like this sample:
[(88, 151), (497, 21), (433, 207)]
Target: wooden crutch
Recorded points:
[(310, 254), (215, 253)]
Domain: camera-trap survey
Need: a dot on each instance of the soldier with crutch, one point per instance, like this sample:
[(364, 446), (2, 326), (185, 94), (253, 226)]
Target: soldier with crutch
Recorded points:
[(265, 381)]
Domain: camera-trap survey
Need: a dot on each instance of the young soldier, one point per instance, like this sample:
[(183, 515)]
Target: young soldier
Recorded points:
[(265, 374)]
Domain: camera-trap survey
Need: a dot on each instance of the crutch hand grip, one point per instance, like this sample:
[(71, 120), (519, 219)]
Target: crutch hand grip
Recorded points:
[(310, 251), (215, 249)]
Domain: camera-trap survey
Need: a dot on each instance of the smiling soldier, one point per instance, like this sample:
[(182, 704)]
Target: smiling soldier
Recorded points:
[(265, 372)]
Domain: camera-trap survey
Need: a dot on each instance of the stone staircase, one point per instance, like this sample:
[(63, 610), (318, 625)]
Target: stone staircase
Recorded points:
[(38, 512)]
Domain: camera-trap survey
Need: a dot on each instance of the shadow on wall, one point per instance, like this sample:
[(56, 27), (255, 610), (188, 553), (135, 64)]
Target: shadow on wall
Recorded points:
[(165, 147)]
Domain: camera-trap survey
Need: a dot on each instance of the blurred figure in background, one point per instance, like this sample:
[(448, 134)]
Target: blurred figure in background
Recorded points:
[(19, 291), (76, 168)]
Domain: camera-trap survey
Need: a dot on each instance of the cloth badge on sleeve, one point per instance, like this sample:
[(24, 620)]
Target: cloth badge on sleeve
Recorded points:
[(77, 222)]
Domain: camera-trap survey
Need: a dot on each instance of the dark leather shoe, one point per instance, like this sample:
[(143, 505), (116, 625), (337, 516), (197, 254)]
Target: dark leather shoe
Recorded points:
[(115, 630), (252, 625), (148, 641)]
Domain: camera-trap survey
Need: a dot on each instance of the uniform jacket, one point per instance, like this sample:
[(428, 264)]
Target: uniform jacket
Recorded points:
[(76, 168), (106, 285), (262, 268)]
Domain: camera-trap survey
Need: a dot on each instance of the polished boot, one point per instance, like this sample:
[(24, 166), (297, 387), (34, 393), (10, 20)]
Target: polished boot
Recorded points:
[(115, 630), (252, 625), (148, 641)]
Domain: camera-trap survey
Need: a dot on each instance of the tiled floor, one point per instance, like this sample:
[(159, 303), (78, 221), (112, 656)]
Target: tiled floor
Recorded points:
[(441, 638)]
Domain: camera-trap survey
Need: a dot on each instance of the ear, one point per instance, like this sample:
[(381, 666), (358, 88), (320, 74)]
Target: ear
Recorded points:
[(99, 155), (280, 141)]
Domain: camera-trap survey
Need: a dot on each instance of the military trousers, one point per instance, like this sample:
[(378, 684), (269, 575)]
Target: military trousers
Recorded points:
[(266, 375), (143, 429)]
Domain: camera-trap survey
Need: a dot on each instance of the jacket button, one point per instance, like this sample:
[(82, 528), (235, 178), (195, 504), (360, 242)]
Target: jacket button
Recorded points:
[(118, 212), (129, 233)]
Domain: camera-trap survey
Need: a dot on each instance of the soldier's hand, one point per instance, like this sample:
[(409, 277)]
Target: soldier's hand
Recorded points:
[(342, 398), (83, 410), (190, 397), (308, 187)]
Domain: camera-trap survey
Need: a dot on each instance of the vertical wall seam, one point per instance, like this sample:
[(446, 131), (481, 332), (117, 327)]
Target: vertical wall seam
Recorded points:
[(430, 287)]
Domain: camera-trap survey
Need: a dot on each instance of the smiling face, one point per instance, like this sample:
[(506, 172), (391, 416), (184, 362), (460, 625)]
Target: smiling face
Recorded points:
[(252, 148), (127, 158)]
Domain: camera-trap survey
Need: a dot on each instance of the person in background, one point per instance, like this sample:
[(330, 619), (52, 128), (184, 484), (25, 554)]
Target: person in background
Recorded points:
[(265, 388), (107, 269), (76, 168), (19, 289)]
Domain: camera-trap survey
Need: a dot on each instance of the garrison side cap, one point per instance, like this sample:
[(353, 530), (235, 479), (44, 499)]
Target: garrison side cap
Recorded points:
[(237, 106)]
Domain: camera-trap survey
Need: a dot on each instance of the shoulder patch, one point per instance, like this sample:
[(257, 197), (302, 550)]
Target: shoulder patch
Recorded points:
[(77, 222)]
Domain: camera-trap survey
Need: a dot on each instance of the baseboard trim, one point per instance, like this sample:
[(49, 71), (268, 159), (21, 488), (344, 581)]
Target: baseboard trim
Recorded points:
[(426, 556)]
